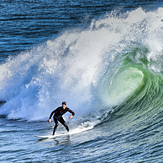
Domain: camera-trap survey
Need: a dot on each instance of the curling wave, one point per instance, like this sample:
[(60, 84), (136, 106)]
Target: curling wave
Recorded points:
[(116, 59)]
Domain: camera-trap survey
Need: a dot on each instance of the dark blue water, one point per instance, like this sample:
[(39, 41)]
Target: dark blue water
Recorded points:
[(105, 58), (27, 23)]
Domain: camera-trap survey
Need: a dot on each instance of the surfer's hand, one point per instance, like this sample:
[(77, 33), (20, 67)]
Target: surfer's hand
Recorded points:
[(49, 120), (71, 116)]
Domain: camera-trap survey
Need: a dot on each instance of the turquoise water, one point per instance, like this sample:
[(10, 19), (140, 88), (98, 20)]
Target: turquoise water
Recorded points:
[(104, 58)]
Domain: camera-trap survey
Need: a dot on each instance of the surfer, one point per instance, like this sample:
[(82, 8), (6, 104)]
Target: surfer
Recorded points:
[(58, 116)]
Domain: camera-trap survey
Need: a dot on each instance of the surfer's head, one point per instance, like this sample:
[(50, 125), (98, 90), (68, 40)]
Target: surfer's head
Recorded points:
[(64, 105)]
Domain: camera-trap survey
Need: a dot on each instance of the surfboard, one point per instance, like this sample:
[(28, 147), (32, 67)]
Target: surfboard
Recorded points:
[(50, 136), (76, 131)]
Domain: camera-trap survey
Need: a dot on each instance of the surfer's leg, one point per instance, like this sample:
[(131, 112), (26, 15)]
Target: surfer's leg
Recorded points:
[(62, 121), (56, 125)]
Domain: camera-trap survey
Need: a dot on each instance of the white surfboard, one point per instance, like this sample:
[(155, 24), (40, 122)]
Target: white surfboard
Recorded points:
[(75, 131), (50, 136)]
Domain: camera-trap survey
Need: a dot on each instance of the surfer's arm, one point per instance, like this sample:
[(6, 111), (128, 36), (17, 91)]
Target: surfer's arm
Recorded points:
[(52, 113), (71, 113)]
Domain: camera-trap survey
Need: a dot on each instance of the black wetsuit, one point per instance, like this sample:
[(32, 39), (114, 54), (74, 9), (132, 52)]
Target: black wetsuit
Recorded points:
[(58, 117)]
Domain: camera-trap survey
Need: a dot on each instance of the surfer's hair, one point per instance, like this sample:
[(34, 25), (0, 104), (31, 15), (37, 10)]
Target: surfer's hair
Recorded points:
[(64, 103)]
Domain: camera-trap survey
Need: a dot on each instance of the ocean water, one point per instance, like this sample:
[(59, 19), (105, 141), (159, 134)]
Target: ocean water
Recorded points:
[(104, 58)]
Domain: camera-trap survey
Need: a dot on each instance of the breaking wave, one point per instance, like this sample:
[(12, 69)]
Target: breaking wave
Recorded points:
[(116, 61)]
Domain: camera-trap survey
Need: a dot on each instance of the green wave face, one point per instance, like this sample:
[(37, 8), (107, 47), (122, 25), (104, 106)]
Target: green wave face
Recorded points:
[(137, 91), (133, 89), (150, 93), (124, 83)]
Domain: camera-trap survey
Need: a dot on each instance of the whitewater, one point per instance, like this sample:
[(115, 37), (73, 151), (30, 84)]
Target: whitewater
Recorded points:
[(110, 74)]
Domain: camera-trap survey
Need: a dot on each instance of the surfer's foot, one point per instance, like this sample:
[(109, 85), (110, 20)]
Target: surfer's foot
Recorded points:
[(67, 129)]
